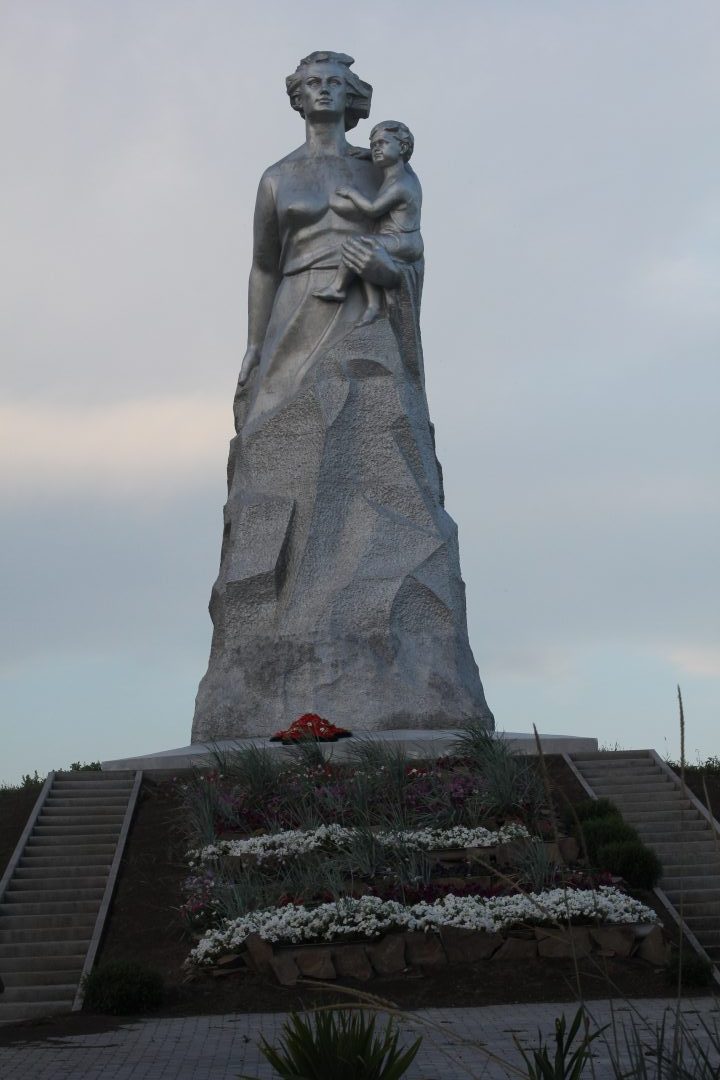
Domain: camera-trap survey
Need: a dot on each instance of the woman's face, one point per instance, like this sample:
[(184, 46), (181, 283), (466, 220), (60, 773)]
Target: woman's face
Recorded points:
[(323, 91)]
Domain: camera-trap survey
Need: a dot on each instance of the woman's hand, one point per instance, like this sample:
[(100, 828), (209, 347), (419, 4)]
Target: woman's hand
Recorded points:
[(368, 258), (251, 360)]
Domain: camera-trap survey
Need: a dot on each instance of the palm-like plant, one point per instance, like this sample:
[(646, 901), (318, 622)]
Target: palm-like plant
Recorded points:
[(340, 1042)]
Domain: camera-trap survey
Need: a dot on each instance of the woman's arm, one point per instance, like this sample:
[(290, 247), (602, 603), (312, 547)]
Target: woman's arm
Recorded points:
[(264, 276)]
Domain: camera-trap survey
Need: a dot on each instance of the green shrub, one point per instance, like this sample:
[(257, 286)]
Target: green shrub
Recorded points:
[(631, 860), (696, 970), (340, 1042), (587, 810), (123, 988), (85, 766), (597, 832)]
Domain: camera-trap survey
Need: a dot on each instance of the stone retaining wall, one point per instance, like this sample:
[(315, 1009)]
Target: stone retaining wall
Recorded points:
[(401, 951)]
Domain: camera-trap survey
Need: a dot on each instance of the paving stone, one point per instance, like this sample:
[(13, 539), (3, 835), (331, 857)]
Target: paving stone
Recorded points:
[(223, 1047)]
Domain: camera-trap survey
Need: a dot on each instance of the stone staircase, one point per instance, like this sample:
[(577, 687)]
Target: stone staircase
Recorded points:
[(677, 827), (56, 891)]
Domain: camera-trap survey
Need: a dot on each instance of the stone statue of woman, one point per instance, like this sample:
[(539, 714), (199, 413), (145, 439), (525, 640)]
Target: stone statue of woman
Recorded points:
[(339, 589)]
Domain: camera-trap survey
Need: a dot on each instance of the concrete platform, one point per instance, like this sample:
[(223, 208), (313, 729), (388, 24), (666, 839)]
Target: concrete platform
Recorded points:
[(417, 744)]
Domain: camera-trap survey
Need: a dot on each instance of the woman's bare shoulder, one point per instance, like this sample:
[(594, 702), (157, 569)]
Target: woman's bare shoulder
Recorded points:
[(278, 167)]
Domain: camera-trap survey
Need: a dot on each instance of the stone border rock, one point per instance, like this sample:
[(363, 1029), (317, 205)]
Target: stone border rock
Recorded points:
[(400, 951)]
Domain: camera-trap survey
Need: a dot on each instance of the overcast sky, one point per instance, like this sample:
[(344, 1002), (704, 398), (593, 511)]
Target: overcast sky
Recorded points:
[(570, 158)]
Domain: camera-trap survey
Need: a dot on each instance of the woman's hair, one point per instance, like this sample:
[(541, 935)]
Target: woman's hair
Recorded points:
[(403, 133), (359, 93)]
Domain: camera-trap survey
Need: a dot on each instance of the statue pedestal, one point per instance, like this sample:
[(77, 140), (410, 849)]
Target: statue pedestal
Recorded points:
[(417, 744)]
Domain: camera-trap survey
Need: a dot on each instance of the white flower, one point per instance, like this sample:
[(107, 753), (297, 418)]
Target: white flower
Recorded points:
[(293, 842), (370, 916)]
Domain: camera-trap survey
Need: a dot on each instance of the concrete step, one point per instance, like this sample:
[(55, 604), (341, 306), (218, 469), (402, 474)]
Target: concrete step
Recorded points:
[(95, 787), (77, 862), (691, 841), (609, 789), (627, 767), (29, 1010), (701, 924), (690, 850), (71, 815), (611, 755), (78, 829), (671, 799), (37, 949), (687, 879), (74, 920), (71, 843), (82, 802), (62, 977), (45, 894), (707, 938), (671, 814), (50, 964), (701, 854), (60, 935), (9, 910), (47, 845), (696, 907), (679, 825), (53, 819), (697, 894), (57, 992), (86, 877)]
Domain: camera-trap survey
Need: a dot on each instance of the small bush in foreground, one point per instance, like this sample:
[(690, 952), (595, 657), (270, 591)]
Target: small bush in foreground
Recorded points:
[(123, 988), (696, 970), (631, 860), (590, 809), (341, 1042)]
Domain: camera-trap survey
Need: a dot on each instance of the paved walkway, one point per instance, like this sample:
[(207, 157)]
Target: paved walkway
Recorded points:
[(226, 1047)]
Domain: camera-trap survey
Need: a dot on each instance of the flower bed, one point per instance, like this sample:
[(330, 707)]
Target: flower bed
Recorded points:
[(369, 917), (293, 842)]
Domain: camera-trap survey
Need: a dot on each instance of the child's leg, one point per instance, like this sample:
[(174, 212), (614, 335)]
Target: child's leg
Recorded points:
[(337, 289), (373, 303)]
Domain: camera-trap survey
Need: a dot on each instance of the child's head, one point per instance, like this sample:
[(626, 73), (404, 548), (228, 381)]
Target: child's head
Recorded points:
[(389, 141)]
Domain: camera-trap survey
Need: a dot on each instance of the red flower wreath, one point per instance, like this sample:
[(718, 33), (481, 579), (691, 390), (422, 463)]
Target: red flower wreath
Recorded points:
[(310, 726)]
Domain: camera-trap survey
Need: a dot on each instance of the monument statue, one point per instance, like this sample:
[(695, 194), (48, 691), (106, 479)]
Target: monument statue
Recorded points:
[(339, 589)]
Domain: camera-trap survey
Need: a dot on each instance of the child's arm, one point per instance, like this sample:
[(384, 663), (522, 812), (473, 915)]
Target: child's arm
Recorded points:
[(375, 208)]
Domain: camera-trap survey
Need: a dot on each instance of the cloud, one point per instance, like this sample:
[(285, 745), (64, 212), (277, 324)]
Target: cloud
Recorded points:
[(700, 660), (148, 445)]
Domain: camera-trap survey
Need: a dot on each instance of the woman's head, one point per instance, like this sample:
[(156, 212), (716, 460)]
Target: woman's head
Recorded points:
[(324, 81)]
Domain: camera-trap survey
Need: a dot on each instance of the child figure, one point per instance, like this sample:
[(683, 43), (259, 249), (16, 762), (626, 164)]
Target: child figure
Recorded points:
[(397, 204)]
